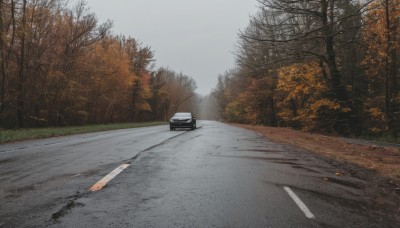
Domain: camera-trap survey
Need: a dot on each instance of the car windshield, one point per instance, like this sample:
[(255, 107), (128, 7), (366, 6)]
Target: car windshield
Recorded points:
[(183, 114)]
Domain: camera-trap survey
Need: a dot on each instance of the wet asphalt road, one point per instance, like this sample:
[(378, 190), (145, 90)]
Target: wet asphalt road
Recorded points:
[(215, 176)]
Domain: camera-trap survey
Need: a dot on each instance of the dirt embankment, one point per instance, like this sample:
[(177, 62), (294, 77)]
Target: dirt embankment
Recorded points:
[(383, 159)]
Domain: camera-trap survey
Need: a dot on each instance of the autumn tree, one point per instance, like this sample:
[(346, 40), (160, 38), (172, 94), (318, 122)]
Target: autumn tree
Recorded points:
[(172, 92), (324, 31), (105, 89), (140, 59), (24, 26), (302, 103), (230, 86), (382, 65), (311, 29), (59, 66)]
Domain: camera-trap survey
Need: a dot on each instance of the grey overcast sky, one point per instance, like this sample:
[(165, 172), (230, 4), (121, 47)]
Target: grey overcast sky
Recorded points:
[(195, 37)]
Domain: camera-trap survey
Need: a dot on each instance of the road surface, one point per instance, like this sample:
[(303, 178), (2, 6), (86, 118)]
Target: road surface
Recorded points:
[(215, 176)]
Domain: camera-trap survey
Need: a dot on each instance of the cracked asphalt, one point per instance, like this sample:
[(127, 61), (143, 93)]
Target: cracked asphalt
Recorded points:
[(215, 176)]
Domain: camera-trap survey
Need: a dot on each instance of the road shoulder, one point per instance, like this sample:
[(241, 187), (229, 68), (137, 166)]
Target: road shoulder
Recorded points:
[(378, 165)]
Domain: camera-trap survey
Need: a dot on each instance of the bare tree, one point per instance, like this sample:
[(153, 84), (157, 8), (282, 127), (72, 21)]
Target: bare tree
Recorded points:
[(175, 90), (306, 29)]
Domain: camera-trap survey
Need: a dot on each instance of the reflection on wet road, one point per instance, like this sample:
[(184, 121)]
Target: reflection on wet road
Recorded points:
[(215, 176)]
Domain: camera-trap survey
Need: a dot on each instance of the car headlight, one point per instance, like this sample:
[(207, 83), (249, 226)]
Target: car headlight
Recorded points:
[(188, 121)]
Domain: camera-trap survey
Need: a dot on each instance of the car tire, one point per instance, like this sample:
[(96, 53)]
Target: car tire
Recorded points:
[(171, 128)]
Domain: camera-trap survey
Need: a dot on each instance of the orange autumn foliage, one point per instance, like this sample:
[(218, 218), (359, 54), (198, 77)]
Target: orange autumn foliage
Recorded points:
[(300, 89)]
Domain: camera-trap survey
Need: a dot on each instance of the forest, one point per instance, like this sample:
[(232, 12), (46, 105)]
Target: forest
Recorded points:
[(61, 67), (329, 66)]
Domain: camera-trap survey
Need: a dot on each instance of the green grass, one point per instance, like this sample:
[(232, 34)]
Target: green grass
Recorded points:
[(7, 136)]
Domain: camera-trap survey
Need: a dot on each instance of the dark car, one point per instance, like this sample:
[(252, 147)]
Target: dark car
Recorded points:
[(182, 120)]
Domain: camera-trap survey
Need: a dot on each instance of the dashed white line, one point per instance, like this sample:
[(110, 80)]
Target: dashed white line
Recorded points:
[(299, 203), (101, 183)]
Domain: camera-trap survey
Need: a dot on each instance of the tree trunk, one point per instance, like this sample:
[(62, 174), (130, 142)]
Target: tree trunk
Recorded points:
[(5, 55), (21, 82), (327, 11), (3, 67), (393, 68), (394, 93), (273, 113), (391, 73)]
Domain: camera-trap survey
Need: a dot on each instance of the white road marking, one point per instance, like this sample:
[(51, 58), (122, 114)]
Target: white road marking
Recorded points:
[(101, 183), (299, 203)]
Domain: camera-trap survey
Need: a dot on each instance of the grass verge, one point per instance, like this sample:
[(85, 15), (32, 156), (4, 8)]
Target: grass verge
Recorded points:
[(8, 136)]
